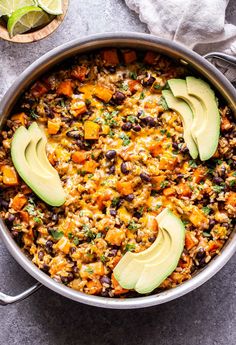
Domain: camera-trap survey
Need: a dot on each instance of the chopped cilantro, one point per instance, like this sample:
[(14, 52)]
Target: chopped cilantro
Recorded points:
[(99, 235), (163, 131), (87, 102), (111, 134), (141, 209), (142, 95), (185, 222), (37, 220), (234, 174), (133, 75), (125, 138), (70, 235), (131, 118), (132, 225), (34, 115), (115, 202), (62, 102), (206, 234), (89, 270), (232, 183), (129, 247), (90, 175), (76, 240), (103, 258), (206, 210), (164, 184), (56, 234), (124, 87), (163, 104), (192, 163), (157, 86), (218, 189)]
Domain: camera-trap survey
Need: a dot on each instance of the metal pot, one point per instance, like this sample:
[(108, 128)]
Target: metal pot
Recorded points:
[(132, 40)]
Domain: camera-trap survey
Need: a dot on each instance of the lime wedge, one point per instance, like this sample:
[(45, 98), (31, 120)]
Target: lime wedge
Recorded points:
[(26, 18), (7, 7), (51, 6)]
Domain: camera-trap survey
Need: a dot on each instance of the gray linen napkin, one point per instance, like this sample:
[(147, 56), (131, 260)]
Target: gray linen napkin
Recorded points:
[(198, 24)]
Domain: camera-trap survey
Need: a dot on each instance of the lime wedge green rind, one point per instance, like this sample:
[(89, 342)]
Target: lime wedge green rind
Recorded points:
[(7, 7), (51, 6), (26, 18)]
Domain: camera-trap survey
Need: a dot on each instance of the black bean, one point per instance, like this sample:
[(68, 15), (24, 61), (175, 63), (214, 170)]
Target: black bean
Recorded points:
[(65, 119), (113, 213), (75, 269), (74, 134), (126, 126), (105, 280), (112, 170), (184, 149), (140, 113), (49, 245), (200, 254), (124, 168), (222, 171), (129, 197), (110, 154), (11, 217), (145, 177), (111, 69), (151, 239), (217, 180), (202, 263), (175, 145), (4, 203), (118, 97), (55, 217), (225, 225), (149, 121), (105, 293), (137, 128), (45, 268), (15, 233), (148, 81), (80, 143), (212, 222), (137, 214), (40, 255), (72, 250)]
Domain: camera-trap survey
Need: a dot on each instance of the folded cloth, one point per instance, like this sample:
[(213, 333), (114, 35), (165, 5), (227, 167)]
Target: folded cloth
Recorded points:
[(198, 24)]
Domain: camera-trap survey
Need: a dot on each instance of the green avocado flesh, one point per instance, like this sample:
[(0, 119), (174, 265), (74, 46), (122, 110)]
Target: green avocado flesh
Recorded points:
[(145, 271), (28, 152), (205, 127), (185, 112)]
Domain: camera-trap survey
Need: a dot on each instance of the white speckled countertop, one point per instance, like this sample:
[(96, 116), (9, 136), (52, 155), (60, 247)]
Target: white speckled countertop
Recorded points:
[(207, 316)]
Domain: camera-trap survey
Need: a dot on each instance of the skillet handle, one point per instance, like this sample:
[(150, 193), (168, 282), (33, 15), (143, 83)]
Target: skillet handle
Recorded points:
[(6, 299), (221, 56)]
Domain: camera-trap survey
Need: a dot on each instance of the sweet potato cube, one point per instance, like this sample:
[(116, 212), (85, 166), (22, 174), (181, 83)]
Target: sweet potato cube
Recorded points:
[(79, 157), (167, 163), (39, 89), (103, 93), (93, 287), (19, 118), (157, 182), (89, 270), (65, 88), (169, 191), (10, 177), (91, 130), (18, 202), (197, 217), (115, 236), (150, 57), (184, 189), (90, 166), (53, 126), (190, 240), (79, 72), (156, 149), (77, 108), (63, 244), (231, 199), (110, 57), (129, 56), (124, 188), (118, 290)]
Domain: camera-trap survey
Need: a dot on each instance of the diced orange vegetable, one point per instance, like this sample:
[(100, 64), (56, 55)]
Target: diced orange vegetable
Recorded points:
[(79, 157), (124, 188), (231, 199), (25, 189), (103, 197), (150, 57), (103, 93), (156, 149), (90, 166), (199, 174), (225, 124), (18, 202), (77, 108), (21, 117), (65, 88), (167, 163), (157, 182), (184, 189), (89, 270), (91, 130), (124, 215), (10, 177), (214, 245), (93, 287), (79, 72), (63, 244), (53, 126), (129, 56), (151, 223), (133, 85), (115, 236), (118, 290), (216, 154), (39, 89), (110, 57), (24, 216), (190, 240), (169, 191), (197, 217)]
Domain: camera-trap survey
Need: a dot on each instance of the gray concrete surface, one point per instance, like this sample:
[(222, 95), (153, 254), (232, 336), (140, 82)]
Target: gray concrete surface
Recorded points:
[(206, 316)]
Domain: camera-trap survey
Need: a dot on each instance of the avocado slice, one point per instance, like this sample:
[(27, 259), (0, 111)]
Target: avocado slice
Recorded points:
[(24, 155), (186, 114), (209, 131), (145, 271)]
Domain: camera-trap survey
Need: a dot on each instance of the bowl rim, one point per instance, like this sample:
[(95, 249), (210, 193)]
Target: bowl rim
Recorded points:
[(39, 34), (78, 46)]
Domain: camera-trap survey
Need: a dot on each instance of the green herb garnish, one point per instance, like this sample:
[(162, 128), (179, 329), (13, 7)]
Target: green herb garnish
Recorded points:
[(133, 75), (76, 240), (125, 138), (206, 210), (34, 115), (56, 234), (129, 247), (142, 95), (163, 104)]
